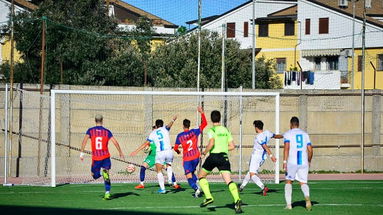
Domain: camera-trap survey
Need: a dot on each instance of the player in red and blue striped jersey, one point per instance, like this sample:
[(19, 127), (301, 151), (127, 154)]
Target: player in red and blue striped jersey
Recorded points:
[(100, 137), (189, 141)]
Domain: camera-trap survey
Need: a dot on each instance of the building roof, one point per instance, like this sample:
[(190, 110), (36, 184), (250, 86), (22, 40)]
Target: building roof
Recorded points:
[(128, 14), (290, 11), (376, 9), (203, 20), (285, 15), (24, 4)]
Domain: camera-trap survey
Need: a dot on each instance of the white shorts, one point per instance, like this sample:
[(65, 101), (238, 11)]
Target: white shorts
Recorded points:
[(256, 161), (297, 172), (164, 157)]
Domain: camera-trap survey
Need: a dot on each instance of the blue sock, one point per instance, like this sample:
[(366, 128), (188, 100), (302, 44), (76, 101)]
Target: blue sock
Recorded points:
[(192, 183), (173, 178), (142, 173), (194, 177), (107, 185)]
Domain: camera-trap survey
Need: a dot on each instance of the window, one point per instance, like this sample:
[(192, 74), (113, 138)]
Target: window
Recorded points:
[(333, 63), (245, 29), (230, 30), (289, 28), (281, 65), (317, 62), (360, 63), (263, 30), (379, 63), (307, 28), (323, 25)]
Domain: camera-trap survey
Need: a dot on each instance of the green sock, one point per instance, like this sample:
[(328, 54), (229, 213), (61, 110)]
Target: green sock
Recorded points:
[(234, 191), (205, 188)]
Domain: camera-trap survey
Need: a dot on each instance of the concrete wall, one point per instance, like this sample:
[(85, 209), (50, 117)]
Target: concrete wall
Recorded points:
[(332, 118)]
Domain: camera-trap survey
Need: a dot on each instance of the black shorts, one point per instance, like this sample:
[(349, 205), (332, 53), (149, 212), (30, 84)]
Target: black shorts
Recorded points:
[(220, 160)]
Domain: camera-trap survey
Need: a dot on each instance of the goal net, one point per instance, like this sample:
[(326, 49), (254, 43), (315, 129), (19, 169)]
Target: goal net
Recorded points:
[(130, 115)]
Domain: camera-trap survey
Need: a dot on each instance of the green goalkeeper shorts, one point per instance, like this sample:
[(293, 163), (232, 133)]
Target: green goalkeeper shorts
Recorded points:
[(150, 160)]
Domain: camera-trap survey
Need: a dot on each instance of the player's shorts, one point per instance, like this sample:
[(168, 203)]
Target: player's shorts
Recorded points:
[(164, 157), (150, 160), (256, 162), (297, 172), (190, 166), (97, 165), (219, 160)]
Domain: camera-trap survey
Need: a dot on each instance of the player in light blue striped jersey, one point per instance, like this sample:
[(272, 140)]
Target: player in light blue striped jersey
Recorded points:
[(298, 152)]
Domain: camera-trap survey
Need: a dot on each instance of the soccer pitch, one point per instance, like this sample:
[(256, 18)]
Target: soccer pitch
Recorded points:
[(328, 197)]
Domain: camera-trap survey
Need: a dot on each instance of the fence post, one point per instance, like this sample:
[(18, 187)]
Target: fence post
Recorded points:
[(376, 126), (303, 112)]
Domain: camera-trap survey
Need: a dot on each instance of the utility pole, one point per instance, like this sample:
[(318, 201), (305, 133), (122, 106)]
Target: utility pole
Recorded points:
[(223, 59), (199, 43), (353, 45), (362, 88), (253, 50)]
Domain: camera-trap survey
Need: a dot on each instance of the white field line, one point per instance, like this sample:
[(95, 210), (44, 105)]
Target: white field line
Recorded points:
[(258, 205)]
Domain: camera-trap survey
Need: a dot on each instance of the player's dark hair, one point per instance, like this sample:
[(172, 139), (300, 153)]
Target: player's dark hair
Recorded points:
[(159, 123), (153, 127), (186, 123), (215, 116), (258, 124), (294, 121)]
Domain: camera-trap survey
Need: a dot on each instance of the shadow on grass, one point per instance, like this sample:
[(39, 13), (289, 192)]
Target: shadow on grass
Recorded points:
[(119, 195), (270, 191), (64, 211), (303, 203), (212, 208)]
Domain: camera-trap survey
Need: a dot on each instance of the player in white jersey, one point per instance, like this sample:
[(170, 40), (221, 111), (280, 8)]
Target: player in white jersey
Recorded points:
[(297, 156), (259, 155), (164, 154)]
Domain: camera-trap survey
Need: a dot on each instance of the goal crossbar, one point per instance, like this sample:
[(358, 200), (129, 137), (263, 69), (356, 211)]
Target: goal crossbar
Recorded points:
[(169, 93)]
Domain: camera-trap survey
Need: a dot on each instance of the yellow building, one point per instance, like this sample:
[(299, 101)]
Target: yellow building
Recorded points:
[(373, 68), (277, 39)]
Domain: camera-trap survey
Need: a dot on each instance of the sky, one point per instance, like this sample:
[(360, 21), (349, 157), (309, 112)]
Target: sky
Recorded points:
[(181, 11)]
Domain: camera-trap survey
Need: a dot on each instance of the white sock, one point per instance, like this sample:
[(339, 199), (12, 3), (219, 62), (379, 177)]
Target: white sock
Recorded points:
[(161, 180), (245, 180), (169, 170), (258, 181), (142, 183), (288, 193), (305, 190)]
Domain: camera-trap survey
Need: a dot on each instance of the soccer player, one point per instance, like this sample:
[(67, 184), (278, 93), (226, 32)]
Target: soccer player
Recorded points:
[(297, 156), (100, 137), (189, 140), (149, 162), (164, 153), (220, 143), (259, 155)]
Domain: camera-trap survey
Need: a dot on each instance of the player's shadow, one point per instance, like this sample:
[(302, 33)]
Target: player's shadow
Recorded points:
[(270, 191), (231, 206), (120, 195), (177, 190), (303, 203), (217, 191)]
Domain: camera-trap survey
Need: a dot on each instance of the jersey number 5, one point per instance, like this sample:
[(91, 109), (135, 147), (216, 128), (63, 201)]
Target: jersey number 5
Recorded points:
[(98, 143)]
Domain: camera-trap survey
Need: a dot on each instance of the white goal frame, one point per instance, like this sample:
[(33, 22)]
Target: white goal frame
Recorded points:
[(160, 93)]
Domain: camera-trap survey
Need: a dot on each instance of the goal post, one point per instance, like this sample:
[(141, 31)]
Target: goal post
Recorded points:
[(246, 103)]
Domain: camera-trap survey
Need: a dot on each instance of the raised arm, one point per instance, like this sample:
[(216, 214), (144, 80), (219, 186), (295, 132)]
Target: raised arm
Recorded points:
[(134, 153), (170, 124), (84, 141), (114, 141), (203, 117), (267, 149)]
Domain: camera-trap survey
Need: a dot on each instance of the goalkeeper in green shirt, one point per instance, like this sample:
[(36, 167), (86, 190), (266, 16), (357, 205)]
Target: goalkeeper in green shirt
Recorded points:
[(220, 143)]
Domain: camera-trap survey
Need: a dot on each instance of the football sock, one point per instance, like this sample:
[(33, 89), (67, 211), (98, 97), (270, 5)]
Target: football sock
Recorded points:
[(107, 185), (195, 179), (173, 178), (306, 190), (142, 174), (246, 180), (161, 180), (257, 181), (234, 191), (169, 170), (192, 183), (288, 192), (205, 188)]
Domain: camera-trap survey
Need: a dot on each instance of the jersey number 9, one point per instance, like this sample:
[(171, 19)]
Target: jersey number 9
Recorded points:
[(98, 143)]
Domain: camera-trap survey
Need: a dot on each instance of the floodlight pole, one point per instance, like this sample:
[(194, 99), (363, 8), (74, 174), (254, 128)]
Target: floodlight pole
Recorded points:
[(199, 45), (223, 59), (353, 45), (253, 50), (362, 88), (12, 17)]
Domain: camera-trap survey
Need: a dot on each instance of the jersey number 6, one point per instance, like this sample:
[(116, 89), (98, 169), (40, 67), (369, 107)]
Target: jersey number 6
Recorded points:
[(98, 143)]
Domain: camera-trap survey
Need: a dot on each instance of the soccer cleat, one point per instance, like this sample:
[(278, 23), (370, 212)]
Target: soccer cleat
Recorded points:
[(265, 190), (197, 193), (105, 175), (288, 207), (308, 204), (240, 188), (237, 207), (107, 196), (176, 186), (206, 202), (161, 191), (140, 186)]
